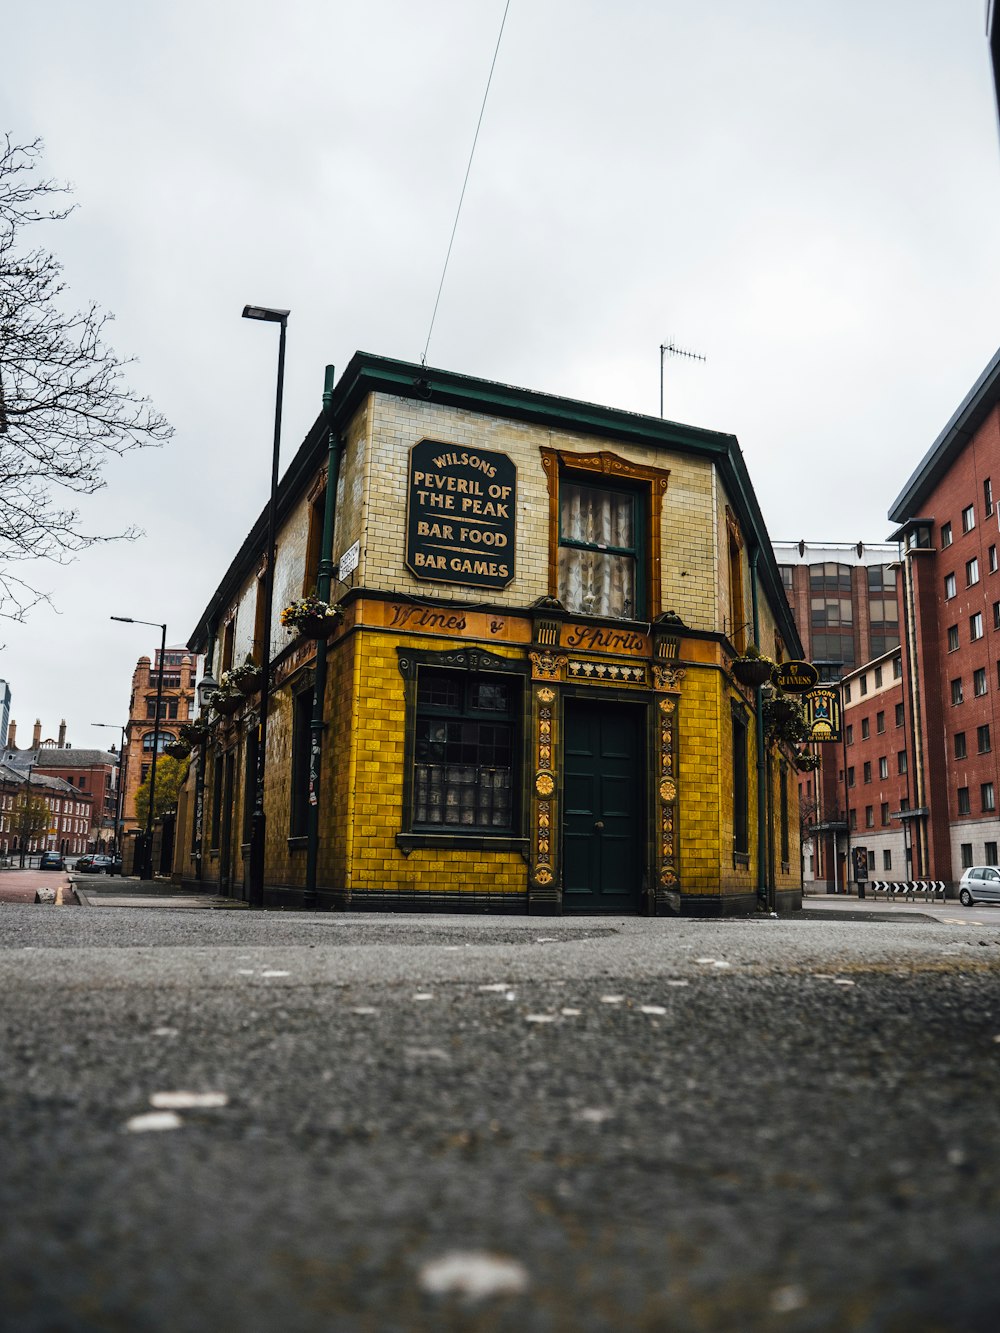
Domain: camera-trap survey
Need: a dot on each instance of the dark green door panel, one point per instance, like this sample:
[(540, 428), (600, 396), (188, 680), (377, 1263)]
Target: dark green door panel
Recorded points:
[(603, 843)]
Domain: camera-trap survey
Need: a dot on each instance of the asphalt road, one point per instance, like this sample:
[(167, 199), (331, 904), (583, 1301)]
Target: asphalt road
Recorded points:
[(497, 1123)]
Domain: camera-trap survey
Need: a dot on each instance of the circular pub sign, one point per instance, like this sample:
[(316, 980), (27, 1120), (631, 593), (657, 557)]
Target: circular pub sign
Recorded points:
[(795, 677)]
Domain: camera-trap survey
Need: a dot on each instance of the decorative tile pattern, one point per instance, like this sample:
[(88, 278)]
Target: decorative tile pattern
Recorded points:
[(622, 673)]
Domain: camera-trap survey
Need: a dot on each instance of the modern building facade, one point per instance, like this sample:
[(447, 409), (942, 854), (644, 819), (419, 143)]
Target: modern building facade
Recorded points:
[(949, 535), (528, 700), (843, 598), (846, 607)]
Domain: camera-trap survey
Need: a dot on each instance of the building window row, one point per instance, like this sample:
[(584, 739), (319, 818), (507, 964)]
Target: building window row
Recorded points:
[(987, 799)]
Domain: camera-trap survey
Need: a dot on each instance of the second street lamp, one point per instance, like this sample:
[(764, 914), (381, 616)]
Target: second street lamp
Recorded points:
[(258, 820), (146, 868), (119, 785)]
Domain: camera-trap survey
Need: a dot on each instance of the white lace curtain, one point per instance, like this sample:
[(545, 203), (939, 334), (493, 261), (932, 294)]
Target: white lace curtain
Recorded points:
[(596, 581)]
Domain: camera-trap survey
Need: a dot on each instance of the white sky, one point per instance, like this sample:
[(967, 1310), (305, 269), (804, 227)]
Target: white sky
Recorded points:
[(806, 192)]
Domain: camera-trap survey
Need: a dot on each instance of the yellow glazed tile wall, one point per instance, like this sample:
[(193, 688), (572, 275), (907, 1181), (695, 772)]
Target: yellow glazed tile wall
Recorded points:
[(376, 790), (699, 763)]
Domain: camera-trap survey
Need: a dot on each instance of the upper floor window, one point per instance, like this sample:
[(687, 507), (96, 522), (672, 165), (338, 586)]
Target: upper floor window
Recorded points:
[(953, 638), (157, 740), (865, 728), (897, 668), (971, 572), (983, 739), (787, 573), (964, 806), (949, 586), (991, 556), (604, 534), (600, 541), (880, 722), (987, 497), (878, 677), (968, 518), (956, 690), (976, 626), (831, 613), (883, 609), (863, 684), (946, 537), (849, 734), (960, 746), (979, 681)]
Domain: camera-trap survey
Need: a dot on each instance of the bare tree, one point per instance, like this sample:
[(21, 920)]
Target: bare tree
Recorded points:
[(65, 406)]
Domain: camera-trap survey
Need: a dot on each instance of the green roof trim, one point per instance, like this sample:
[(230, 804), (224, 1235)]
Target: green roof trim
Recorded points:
[(368, 374)]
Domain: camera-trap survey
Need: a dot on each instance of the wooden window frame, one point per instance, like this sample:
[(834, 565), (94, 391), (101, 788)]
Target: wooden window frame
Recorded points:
[(650, 482)]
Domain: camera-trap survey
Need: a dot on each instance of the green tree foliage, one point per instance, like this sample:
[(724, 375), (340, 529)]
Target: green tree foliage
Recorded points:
[(65, 406), (32, 817), (170, 775)]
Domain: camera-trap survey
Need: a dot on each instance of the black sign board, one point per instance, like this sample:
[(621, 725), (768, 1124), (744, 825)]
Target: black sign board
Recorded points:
[(860, 857), (795, 677), (461, 515)]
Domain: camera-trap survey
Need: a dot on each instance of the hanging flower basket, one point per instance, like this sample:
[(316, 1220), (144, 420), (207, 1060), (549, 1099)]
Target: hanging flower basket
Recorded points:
[(247, 678), (807, 763), (177, 750), (784, 721), (227, 703), (311, 617), (752, 669), (194, 732)]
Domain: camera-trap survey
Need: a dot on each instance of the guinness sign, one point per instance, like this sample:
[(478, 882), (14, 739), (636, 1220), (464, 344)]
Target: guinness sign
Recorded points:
[(795, 677)]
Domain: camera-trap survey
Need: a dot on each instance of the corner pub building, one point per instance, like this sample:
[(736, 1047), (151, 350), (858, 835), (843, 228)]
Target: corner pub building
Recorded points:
[(527, 703)]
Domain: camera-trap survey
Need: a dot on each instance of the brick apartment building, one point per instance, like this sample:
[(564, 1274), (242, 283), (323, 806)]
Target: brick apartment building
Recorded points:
[(142, 737), (950, 580)]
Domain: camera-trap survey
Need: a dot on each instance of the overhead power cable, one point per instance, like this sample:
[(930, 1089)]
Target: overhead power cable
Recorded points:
[(475, 140)]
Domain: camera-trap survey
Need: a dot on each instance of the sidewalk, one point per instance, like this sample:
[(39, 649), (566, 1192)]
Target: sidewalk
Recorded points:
[(130, 891)]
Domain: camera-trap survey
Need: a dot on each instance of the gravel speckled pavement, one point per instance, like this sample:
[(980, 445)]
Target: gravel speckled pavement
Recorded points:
[(357, 1122)]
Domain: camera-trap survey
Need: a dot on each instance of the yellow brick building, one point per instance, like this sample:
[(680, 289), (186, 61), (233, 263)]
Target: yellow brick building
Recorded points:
[(528, 703)]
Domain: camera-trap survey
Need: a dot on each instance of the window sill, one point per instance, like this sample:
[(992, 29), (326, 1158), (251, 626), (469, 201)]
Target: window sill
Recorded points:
[(741, 860), (299, 843), (469, 842)]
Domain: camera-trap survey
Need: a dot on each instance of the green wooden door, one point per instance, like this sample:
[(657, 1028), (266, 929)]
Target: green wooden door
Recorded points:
[(603, 849)]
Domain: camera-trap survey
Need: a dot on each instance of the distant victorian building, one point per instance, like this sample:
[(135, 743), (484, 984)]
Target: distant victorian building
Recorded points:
[(66, 825), (533, 696), (143, 737), (91, 774)]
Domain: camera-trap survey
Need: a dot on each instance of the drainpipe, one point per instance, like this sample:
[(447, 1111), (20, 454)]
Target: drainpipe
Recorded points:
[(324, 580), (763, 897)]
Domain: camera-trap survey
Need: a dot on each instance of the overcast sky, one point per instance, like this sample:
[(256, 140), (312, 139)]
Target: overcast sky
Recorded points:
[(806, 193)]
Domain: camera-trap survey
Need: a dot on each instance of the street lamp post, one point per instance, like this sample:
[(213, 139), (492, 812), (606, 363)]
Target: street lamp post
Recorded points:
[(119, 793), (146, 868), (258, 820)]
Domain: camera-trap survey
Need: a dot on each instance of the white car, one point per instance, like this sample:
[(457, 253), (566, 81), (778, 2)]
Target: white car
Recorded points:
[(979, 884)]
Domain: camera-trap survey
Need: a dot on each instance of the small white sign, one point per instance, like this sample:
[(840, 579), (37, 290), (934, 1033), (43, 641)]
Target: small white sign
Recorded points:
[(349, 561)]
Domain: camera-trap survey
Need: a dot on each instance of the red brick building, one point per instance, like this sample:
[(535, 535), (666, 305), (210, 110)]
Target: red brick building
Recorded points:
[(92, 775), (950, 583), (143, 738)]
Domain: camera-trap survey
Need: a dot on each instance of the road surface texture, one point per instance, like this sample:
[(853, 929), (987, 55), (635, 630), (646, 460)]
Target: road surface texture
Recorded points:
[(256, 1121)]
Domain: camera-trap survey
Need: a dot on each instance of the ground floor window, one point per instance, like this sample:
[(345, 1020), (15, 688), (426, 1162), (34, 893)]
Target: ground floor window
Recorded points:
[(463, 776)]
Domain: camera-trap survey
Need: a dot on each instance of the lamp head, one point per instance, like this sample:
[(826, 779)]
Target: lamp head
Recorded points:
[(268, 313)]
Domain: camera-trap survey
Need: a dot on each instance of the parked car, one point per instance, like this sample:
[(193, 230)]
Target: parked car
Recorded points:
[(51, 861), (979, 884), (90, 865)]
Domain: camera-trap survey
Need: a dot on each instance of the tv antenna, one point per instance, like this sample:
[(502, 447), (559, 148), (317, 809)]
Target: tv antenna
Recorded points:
[(671, 349)]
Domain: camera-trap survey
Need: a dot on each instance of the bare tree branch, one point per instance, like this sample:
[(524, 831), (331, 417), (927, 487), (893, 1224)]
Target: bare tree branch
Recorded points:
[(65, 405)]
